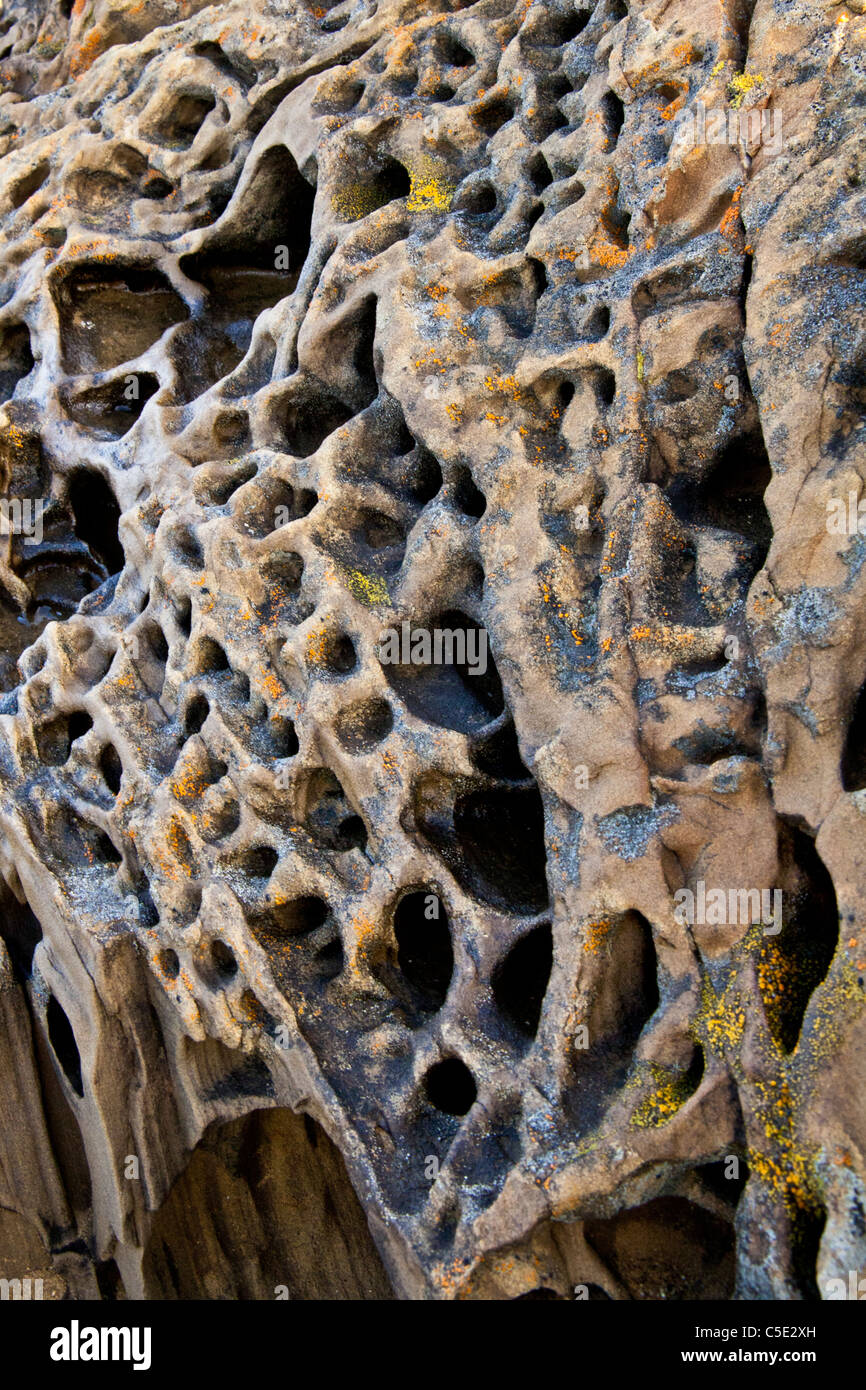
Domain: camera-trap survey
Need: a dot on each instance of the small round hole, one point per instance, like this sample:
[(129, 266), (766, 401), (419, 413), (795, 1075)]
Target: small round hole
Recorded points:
[(223, 959), (168, 964), (450, 1087), (364, 724)]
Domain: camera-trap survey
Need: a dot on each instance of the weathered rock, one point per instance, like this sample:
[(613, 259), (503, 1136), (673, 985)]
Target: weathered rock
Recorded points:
[(318, 322)]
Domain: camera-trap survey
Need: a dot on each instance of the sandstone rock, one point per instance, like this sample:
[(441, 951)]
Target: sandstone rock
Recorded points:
[(329, 976)]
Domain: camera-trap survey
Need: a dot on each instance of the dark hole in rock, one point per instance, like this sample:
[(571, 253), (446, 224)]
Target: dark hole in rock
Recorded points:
[(63, 1042), (539, 173), (274, 737), (477, 199), (258, 862), (597, 323), (364, 724), (110, 411), (424, 951), (20, 930), (613, 115), (156, 188), (493, 115), (667, 1249), (25, 187), (389, 182), (807, 1227), (335, 654), (554, 28), (455, 685), (183, 120), (564, 396), (498, 755), (296, 917), (491, 840), (197, 712), (111, 315), (222, 820), (108, 1279), (246, 268), (405, 441), (185, 545), (630, 993), (468, 497), (210, 658), (332, 24), (501, 835), (223, 960), (726, 1178), (97, 516), (330, 959), (540, 281), (215, 485), (450, 1087), (451, 51), (329, 817), (188, 906), (16, 358), (54, 739), (352, 833), (363, 327), (854, 752), (271, 503), (423, 477), (520, 981), (684, 676), (79, 724), (147, 912), (308, 420), (604, 385), (155, 639), (305, 1227), (168, 964), (794, 961), (254, 1012), (676, 387), (183, 614), (564, 28), (380, 531), (731, 495)]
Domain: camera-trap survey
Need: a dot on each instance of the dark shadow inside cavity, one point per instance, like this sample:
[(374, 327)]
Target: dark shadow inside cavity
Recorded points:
[(491, 839), (63, 1042), (450, 1087), (456, 693), (97, 516), (520, 981), (109, 315), (425, 955)]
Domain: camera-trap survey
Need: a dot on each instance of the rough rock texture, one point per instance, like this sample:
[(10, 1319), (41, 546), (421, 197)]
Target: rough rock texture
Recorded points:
[(318, 320)]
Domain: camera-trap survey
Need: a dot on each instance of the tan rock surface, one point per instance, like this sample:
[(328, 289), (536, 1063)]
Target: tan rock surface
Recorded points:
[(319, 320)]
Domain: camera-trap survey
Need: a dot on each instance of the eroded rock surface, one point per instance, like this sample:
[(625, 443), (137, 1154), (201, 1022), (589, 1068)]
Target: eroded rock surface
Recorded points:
[(321, 320)]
